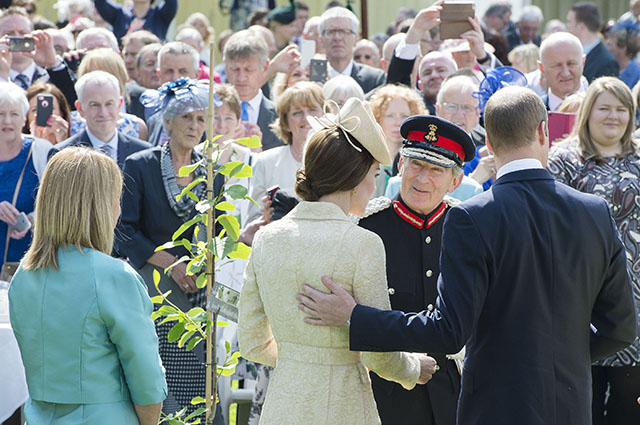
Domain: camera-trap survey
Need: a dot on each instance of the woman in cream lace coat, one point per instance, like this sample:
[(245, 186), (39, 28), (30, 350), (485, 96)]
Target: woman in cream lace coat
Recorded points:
[(317, 380)]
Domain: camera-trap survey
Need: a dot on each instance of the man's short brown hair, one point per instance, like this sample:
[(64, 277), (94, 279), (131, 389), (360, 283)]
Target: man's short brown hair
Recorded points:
[(588, 14), (511, 118)]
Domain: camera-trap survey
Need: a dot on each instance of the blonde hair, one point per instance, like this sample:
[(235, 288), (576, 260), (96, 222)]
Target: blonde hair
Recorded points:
[(586, 146), (105, 59), (527, 56), (302, 93), (380, 100), (571, 103), (74, 206)]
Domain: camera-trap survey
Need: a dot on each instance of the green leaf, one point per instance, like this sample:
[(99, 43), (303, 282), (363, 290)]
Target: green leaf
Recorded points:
[(185, 226), (156, 278), (195, 311), (231, 225), (168, 245), (158, 299), (188, 169), (240, 251), (237, 191), (225, 206), (250, 142), (201, 280), (223, 247), (185, 337), (198, 400), (236, 355), (227, 168), (199, 411), (194, 183), (244, 171), (193, 342), (170, 318), (165, 310), (227, 346), (176, 331)]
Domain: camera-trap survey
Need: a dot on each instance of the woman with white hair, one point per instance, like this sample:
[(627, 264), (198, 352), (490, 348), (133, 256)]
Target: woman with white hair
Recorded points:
[(151, 214), (341, 88), (22, 161)]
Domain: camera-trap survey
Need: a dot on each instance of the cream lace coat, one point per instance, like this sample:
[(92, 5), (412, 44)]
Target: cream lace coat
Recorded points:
[(316, 380)]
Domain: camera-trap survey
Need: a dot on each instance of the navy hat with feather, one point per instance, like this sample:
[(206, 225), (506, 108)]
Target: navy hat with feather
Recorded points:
[(430, 138)]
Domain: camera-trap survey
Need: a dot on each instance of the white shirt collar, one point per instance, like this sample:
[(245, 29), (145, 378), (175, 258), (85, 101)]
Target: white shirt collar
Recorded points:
[(346, 71), (518, 165), (97, 143), (31, 69), (254, 107), (555, 101)]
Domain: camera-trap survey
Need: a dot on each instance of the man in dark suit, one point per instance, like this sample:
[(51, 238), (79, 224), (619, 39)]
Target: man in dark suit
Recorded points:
[(246, 62), (533, 281), (526, 29), (410, 227), (583, 20), (339, 33), (99, 103)]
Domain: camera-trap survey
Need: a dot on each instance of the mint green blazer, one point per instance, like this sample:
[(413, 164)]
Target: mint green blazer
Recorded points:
[(85, 333)]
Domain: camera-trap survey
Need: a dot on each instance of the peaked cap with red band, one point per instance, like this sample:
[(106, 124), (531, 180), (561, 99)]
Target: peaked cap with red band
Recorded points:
[(435, 140)]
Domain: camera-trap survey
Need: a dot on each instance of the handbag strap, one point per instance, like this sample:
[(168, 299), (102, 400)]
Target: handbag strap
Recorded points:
[(15, 199)]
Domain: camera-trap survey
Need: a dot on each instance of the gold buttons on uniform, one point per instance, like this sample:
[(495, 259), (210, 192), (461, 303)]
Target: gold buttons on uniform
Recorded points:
[(429, 273), (430, 307), (428, 239), (392, 291)]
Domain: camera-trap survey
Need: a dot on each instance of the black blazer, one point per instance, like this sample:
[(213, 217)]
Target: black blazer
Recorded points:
[(526, 267), (367, 76), (513, 40), (126, 145), (134, 106), (266, 116), (600, 62)]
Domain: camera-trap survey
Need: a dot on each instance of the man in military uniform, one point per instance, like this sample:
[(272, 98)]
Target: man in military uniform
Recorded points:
[(411, 228)]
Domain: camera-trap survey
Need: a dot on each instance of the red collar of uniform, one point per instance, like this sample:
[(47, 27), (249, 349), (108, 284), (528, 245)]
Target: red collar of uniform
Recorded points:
[(415, 220)]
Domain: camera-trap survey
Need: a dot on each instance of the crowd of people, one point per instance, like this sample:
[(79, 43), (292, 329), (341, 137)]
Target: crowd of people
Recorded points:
[(395, 173)]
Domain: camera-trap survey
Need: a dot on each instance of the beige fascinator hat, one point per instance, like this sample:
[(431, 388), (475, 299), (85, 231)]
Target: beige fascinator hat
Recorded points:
[(356, 121)]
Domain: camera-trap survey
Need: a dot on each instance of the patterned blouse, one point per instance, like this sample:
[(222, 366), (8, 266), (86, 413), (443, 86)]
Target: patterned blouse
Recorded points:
[(617, 181)]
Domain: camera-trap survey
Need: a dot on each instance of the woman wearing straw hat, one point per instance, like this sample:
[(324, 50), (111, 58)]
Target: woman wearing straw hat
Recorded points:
[(316, 378)]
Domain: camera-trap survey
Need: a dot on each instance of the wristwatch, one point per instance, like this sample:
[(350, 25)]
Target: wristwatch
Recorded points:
[(58, 65), (484, 59)]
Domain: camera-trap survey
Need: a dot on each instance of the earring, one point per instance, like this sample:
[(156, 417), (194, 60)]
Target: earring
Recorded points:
[(354, 191)]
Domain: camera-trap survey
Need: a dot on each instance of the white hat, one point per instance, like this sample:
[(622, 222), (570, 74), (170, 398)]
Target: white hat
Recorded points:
[(356, 120)]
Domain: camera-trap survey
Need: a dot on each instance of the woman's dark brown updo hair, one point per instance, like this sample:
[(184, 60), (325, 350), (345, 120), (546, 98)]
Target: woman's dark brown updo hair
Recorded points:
[(331, 165)]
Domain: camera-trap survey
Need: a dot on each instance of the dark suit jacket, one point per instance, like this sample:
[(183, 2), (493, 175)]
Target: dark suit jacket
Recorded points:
[(367, 76), (266, 116), (513, 40), (126, 145), (65, 79), (134, 106), (525, 268), (600, 62)]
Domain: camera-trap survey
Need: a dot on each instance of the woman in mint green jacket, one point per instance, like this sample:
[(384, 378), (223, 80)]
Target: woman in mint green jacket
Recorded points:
[(82, 318)]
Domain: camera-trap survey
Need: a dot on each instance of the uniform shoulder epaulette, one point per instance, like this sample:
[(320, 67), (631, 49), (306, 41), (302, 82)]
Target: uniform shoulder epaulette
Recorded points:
[(375, 206), (452, 202)]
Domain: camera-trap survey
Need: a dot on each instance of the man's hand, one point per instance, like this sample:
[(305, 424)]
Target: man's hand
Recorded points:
[(428, 367), (424, 21), (44, 54), (475, 39), (249, 232), (485, 170), (333, 309), (5, 58), (285, 61)]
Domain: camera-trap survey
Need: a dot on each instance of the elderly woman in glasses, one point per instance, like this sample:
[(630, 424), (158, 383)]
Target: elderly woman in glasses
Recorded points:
[(151, 214)]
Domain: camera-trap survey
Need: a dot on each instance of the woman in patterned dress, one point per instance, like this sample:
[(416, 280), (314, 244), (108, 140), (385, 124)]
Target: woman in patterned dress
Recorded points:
[(601, 157)]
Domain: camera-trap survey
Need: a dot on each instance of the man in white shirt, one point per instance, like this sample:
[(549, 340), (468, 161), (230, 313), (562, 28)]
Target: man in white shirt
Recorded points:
[(338, 35), (561, 63)]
